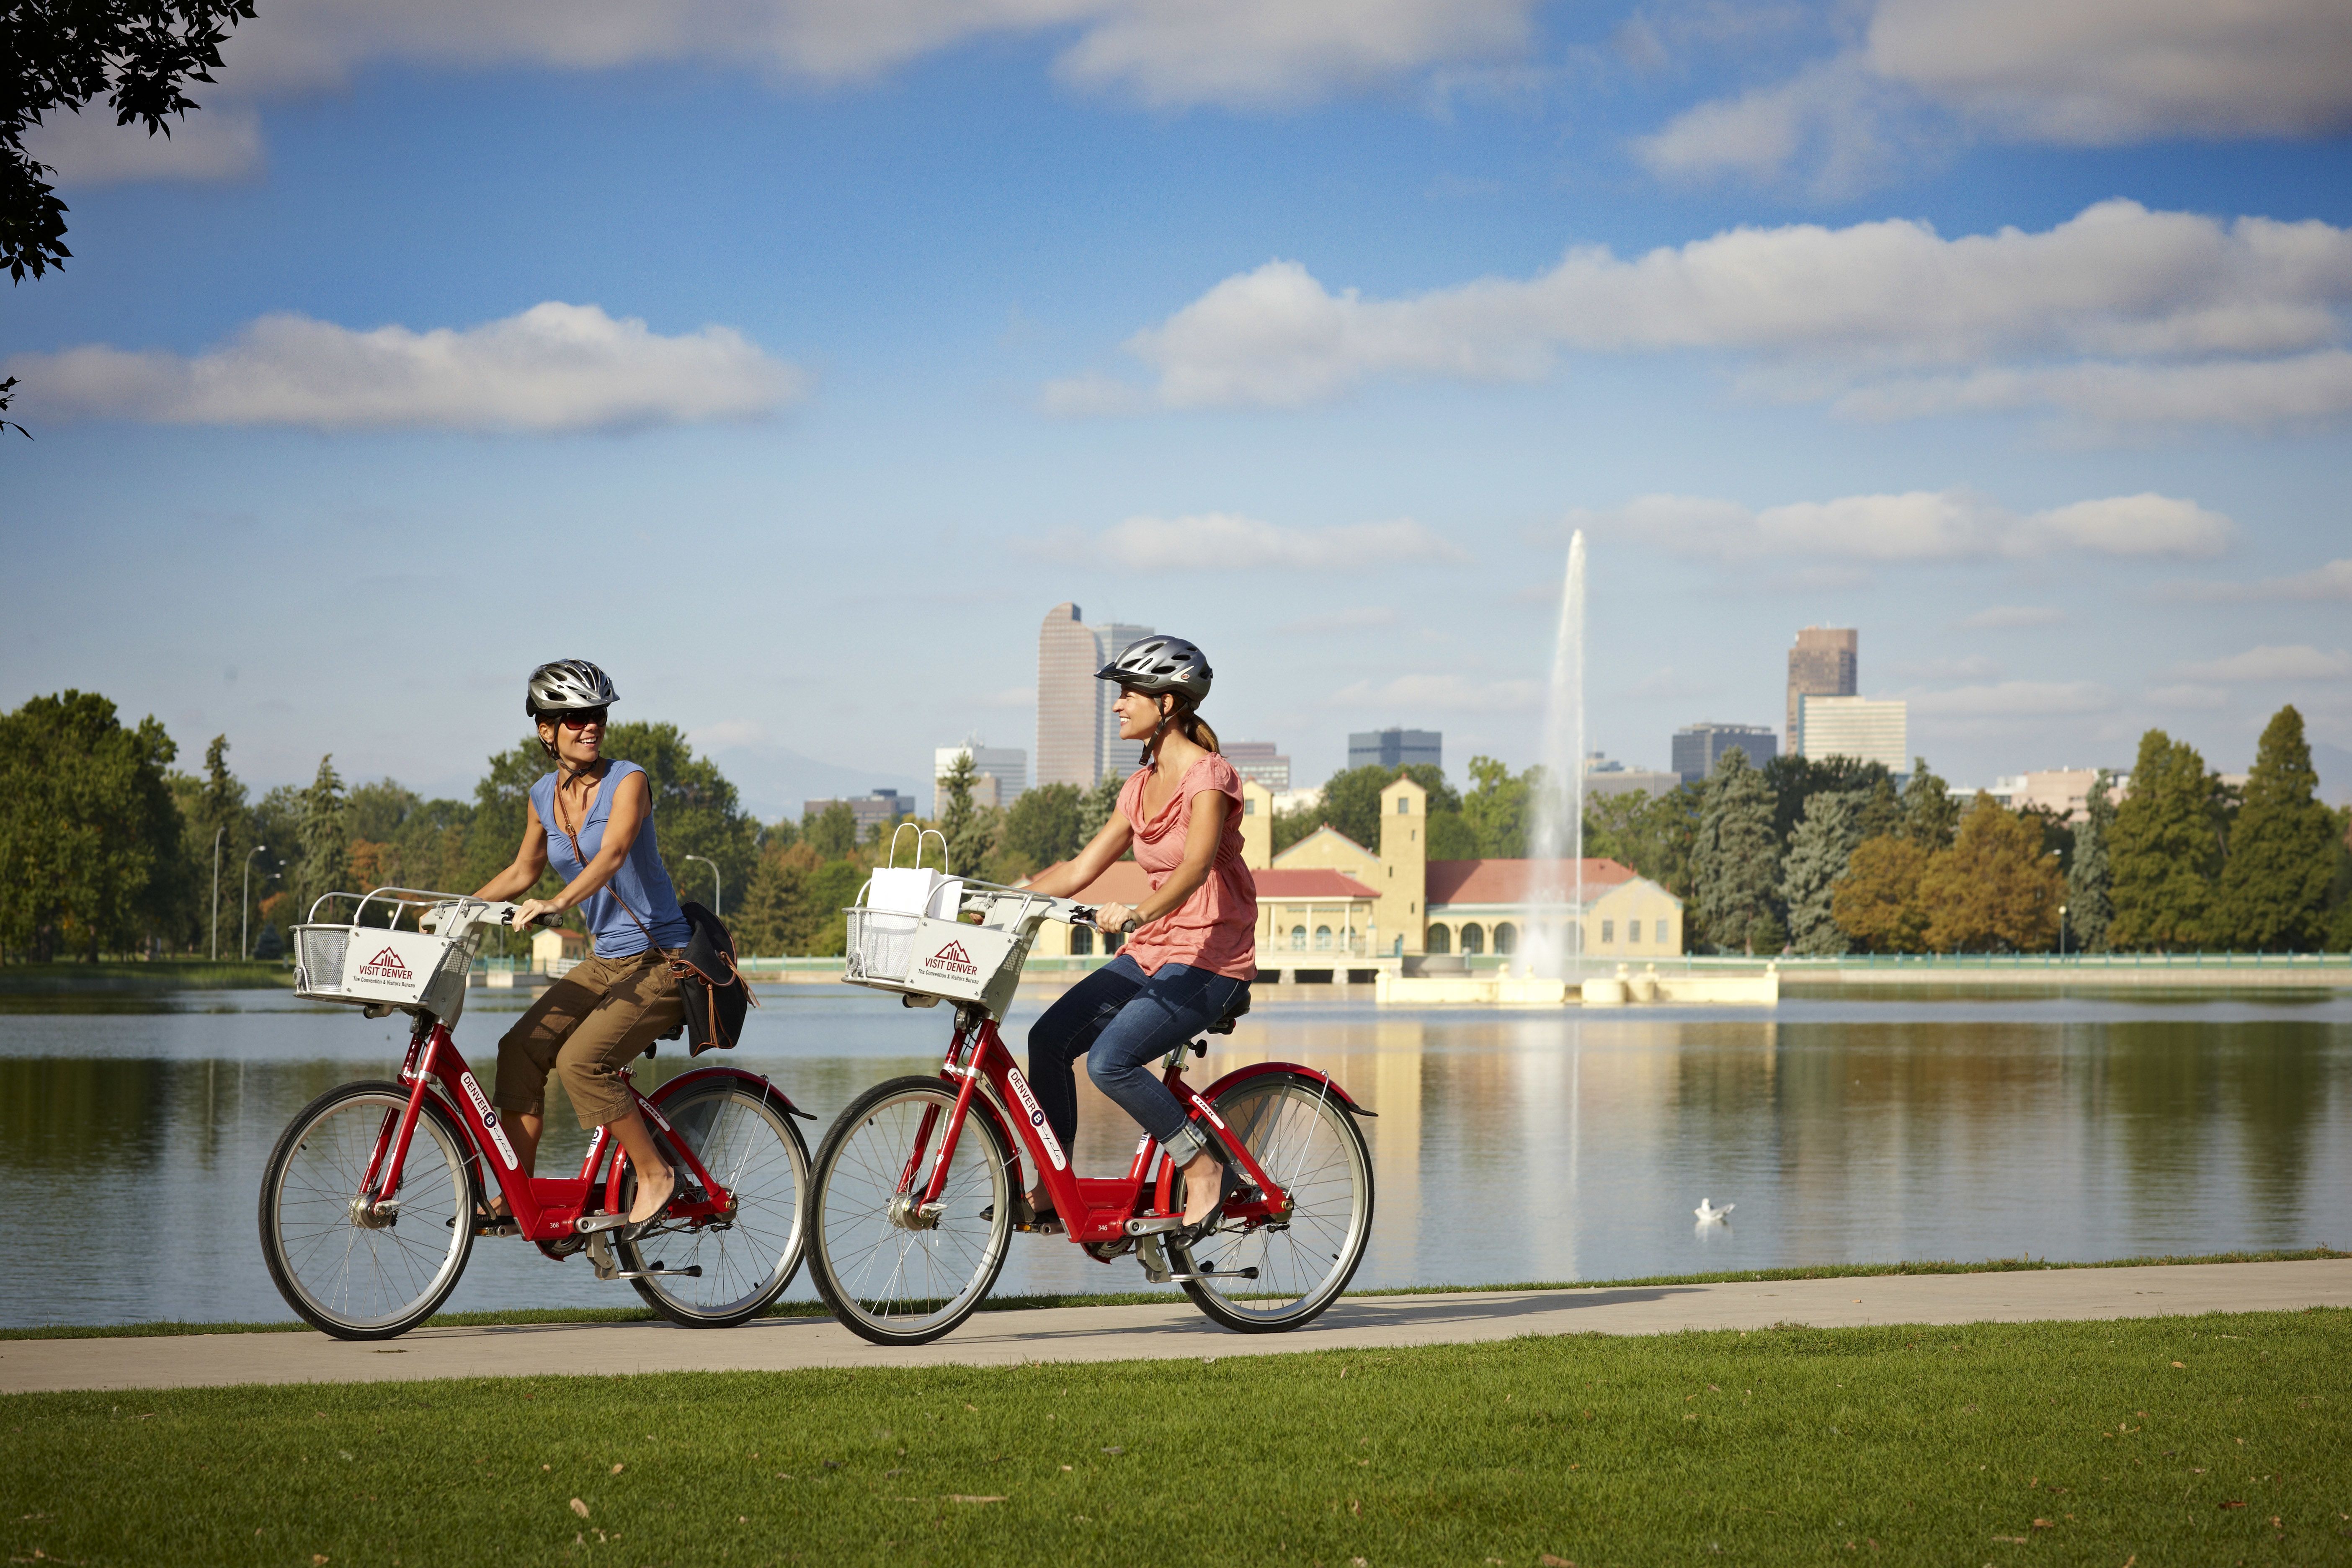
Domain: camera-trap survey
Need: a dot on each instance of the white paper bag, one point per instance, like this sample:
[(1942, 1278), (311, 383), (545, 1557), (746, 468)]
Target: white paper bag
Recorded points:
[(947, 900), (903, 889)]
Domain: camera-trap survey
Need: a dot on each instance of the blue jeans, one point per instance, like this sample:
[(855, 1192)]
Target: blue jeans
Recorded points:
[(1123, 1023)]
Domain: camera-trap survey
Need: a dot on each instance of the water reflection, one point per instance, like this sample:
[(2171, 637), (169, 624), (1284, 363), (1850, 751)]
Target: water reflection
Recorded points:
[(1508, 1146)]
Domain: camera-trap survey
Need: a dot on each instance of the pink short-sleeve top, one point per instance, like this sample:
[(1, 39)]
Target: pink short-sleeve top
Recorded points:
[(1216, 928)]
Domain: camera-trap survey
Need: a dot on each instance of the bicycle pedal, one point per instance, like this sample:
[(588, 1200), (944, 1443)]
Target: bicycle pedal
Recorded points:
[(1156, 1225), (592, 1224), (691, 1271)]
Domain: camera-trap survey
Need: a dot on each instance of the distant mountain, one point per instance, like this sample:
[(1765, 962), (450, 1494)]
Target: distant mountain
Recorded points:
[(773, 782)]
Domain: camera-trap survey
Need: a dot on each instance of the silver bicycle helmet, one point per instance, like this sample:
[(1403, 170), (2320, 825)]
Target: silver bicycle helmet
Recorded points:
[(567, 685), (1156, 664)]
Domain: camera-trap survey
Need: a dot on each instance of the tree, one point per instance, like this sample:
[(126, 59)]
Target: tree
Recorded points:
[(831, 833), (323, 836), (1877, 902), (1094, 806), (212, 806), (2090, 906), (1930, 814), (1043, 825), (60, 54), (90, 854), (1735, 862), (969, 830), (2166, 848), (1880, 811), (1499, 808), (1995, 889), (696, 809), (2283, 849), (1653, 835), (1818, 852), (1795, 780)]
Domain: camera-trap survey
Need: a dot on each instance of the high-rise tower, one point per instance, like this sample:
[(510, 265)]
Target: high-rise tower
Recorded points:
[(1069, 700), (1825, 662), (1112, 755)]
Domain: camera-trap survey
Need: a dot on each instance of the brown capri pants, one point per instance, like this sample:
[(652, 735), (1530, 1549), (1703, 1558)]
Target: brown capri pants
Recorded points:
[(589, 1025)]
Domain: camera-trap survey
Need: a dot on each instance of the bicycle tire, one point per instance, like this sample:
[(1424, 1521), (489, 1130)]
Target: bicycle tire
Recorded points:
[(336, 1132), (1308, 1141), (691, 1303), (852, 1234)]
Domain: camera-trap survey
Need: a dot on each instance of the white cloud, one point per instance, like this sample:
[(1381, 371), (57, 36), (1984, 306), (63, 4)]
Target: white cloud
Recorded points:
[(1918, 525), (1349, 618), (2195, 697), (1226, 542), (554, 367), (1443, 694), (2071, 72), (2332, 581), (2000, 617), (2016, 699), (90, 148), (2069, 316), (2300, 662)]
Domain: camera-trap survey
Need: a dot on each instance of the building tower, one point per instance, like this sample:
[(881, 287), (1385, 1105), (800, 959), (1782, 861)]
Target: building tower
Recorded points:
[(1403, 882), (1112, 755), (1069, 700), (1824, 663)]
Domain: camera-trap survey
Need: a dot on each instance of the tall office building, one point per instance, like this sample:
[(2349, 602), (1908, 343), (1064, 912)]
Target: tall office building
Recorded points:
[(1262, 760), (1069, 700), (1857, 727), (1825, 662), (1697, 747), (1395, 748), (1003, 771), (1112, 755)]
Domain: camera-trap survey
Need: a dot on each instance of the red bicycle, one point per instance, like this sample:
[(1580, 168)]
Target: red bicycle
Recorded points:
[(373, 1195), (918, 1183)]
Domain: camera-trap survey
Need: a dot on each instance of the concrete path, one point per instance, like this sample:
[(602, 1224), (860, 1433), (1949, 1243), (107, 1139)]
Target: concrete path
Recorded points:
[(1158, 1333)]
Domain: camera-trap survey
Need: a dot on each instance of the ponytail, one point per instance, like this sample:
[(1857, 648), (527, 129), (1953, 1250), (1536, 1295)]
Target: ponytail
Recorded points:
[(1188, 724)]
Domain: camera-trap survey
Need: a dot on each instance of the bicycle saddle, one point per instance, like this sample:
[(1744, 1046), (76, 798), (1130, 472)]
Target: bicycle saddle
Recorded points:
[(1233, 1010)]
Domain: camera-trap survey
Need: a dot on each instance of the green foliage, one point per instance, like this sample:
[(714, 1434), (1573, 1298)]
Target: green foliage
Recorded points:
[(1930, 814), (1352, 803), (1095, 806), (2166, 848), (696, 810), (90, 847), (1653, 835), (322, 834), (1818, 852), (212, 807), (1734, 861), (2090, 880), (1450, 838), (832, 832), (1043, 825), (1995, 889), (2274, 885), (969, 831), (1794, 781), (1499, 808), (1880, 812), (502, 805), (793, 906)]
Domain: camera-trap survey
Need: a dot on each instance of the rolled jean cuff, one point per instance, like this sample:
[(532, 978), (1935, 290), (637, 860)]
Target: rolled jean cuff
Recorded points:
[(1186, 1143)]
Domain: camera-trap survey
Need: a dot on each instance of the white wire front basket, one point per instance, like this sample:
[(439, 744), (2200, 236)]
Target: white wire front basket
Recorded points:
[(384, 967)]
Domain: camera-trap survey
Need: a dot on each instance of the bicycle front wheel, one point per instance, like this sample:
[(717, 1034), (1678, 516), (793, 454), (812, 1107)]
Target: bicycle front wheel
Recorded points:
[(354, 1269), (893, 1272), (1281, 1275), (745, 1140)]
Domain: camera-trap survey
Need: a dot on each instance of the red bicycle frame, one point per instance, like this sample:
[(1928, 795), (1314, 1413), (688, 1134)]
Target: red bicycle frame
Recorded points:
[(1092, 1209), (545, 1208)]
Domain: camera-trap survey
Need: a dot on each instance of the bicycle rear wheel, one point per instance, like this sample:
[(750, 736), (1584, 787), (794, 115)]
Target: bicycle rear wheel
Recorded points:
[(745, 1140), (890, 1274), (1300, 1135), (358, 1272)]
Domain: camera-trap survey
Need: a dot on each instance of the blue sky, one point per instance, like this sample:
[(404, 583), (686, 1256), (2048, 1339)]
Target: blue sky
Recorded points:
[(792, 358)]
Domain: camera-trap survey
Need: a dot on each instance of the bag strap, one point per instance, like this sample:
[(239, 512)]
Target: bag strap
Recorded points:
[(555, 803)]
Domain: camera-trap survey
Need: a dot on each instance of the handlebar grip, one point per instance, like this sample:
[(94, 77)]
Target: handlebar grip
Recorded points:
[(1131, 924)]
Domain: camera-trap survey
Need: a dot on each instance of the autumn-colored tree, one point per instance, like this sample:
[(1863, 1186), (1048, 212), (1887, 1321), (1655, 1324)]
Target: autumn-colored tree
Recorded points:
[(1995, 889), (1877, 904)]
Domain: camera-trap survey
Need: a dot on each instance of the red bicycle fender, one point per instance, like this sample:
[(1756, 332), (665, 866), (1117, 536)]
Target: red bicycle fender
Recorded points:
[(686, 1080), (1259, 1069)]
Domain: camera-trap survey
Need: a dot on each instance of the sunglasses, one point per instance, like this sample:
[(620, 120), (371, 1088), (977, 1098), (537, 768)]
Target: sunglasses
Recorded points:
[(581, 718)]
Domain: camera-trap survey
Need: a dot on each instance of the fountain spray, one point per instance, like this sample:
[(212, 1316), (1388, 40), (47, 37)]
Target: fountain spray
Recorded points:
[(1557, 850)]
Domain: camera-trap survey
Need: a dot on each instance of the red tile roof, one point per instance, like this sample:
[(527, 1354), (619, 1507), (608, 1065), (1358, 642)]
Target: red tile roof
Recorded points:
[(1311, 882), (1124, 883), (1507, 881)]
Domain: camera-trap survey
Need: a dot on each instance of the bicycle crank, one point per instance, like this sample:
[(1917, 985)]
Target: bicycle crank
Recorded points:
[(608, 1267)]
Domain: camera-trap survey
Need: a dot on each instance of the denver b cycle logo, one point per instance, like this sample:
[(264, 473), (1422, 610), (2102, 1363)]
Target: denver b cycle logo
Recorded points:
[(386, 965), (951, 959)]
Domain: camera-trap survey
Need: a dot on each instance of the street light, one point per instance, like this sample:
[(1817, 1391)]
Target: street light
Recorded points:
[(245, 900), (2062, 930), (217, 838), (718, 889)]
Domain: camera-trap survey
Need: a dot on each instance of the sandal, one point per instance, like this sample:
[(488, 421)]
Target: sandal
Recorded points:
[(632, 1229)]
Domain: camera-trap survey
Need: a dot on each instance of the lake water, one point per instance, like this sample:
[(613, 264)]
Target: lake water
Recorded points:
[(1509, 1146)]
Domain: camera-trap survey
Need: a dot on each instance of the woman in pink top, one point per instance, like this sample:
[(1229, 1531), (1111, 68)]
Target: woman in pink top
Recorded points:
[(1194, 951)]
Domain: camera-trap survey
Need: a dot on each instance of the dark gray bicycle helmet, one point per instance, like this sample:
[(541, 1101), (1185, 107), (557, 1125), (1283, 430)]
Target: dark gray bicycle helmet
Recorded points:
[(567, 685), (1156, 664)]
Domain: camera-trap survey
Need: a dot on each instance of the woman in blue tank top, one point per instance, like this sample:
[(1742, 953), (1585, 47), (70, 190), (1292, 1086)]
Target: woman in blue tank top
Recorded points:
[(591, 819)]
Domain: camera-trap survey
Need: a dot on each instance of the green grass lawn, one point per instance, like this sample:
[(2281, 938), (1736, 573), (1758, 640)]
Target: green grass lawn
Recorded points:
[(141, 977), (2220, 1439)]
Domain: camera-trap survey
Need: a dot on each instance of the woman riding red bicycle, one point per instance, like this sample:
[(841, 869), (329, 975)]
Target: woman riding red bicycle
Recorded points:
[(1194, 947)]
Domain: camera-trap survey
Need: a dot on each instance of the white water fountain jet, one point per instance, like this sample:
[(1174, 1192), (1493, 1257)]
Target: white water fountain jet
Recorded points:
[(1554, 947)]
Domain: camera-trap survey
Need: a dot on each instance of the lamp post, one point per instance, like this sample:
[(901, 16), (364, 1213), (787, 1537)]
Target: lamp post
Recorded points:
[(2062, 930), (217, 838), (718, 889), (245, 900)]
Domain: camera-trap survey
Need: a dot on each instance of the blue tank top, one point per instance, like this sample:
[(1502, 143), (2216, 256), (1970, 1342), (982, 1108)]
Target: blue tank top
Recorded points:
[(641, 883)]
